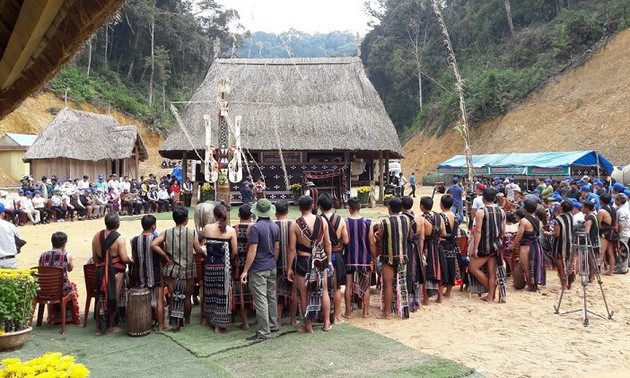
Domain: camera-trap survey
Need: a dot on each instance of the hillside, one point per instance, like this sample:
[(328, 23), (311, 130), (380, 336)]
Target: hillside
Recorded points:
[(37, 111), (584, 108)]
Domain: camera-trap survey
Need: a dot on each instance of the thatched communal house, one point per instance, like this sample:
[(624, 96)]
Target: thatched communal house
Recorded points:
[(78, 143), (323, 113), (38, 37)]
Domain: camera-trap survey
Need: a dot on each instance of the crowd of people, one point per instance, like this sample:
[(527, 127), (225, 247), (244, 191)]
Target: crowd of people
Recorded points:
[(279, 266), (53, 199)]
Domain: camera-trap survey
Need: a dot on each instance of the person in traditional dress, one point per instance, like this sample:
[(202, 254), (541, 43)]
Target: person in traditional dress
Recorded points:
[(286, 293), (180, 244), (148, 267), (260, 188), (60, 258), (109, 253), (242, 295), (591, 226), (338, 235), (415, 277), (434, 229), (609, 232), (260, 269), (393, 235), (488, 231), (187, 189), (527, 245), (309, 246), (563, 237), (448, 246), (221, 248), (360, 250), (313, 192)]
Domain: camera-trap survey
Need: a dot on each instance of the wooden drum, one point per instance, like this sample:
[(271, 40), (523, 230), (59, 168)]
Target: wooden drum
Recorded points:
[(139, 317)]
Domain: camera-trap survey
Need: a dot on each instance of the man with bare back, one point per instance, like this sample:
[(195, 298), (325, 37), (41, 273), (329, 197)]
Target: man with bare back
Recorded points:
[(309, 244), (488, 231), (109, 252), (609, 233)]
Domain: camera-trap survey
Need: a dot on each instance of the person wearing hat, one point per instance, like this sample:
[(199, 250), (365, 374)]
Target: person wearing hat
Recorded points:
[(623, 220), (10, 213), (313, 192), (247, 195), (27, 207), (598, 187), (114, 183), (548, 190), (8, 237), (100, 184), (588, 195), (457, 192), (56, 203), (187, 189), (260, 268), (618, 188)]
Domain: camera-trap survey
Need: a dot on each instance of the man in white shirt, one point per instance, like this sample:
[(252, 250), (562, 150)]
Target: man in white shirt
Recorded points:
[(510, 187), (27, 207), (8, 249), (84, 184), (125, 185), (402, 181), (164, 199), (114, 183), (11, 215), (477, 201), (623, 220)]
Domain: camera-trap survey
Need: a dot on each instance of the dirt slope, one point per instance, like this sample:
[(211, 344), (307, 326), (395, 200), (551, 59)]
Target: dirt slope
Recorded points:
[(37, 111), (585, 108)]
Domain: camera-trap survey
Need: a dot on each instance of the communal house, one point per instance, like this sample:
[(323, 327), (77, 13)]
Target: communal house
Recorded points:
[(315, 119)]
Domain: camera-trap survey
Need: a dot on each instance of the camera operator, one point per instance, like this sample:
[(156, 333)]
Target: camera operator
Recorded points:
[(623, 220), (591, 228)]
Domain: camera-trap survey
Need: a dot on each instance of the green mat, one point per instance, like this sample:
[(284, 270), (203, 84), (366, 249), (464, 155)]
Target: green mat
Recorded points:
[(202, 341), (345, 351)]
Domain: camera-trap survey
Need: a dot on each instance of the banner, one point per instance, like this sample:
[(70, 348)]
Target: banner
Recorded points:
[(557, 171), (463, 171), (508, 170)]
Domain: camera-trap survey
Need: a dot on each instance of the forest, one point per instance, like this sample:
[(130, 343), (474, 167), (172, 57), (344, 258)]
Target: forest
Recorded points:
[(156, 52)]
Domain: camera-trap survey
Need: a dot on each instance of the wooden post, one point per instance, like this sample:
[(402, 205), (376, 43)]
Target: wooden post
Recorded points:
[(184, 168)]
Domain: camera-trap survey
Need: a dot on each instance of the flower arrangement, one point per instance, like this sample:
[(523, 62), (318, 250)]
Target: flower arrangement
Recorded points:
[(363, 192), (207, 192), (387, 197), (296, 187), (50, 365), (18, 288), (222, 180)]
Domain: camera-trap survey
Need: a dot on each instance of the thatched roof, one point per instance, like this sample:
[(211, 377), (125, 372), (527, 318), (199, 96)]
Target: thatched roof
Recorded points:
[(38, 37), (317, 104), (74, 134)]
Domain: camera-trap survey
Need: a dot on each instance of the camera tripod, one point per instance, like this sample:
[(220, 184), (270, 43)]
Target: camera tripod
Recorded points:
[(583, 250)]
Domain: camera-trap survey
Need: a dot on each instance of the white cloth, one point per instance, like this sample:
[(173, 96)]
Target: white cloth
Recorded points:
[(8, 232), (623, 217), (125, 185), (7, 202), (83, 184), (579, 217), (163, 194), (477, 203), (509, 191)]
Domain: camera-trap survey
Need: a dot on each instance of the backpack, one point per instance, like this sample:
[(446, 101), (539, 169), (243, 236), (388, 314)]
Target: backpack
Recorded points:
[(319, 258)]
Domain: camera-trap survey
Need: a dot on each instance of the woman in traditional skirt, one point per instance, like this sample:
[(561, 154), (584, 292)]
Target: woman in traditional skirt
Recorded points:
[(221, 246), (58, 257), (433, 230), (448, 246), (243, 300)]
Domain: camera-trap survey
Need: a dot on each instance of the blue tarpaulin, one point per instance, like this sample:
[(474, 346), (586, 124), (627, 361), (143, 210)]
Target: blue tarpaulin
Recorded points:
[(528, 163), (177, 173)]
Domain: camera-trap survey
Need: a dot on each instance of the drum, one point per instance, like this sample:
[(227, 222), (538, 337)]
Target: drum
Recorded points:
[(139, 317), (621, 258), (518, 276)]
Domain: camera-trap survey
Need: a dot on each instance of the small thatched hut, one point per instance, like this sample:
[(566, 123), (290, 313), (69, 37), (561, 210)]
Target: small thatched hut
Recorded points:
[(12, 148), (78, 143), (323, 113), (38, 37)]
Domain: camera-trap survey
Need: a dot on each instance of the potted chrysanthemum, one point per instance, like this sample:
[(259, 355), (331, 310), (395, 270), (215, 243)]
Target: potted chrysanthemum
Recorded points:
[(363, 192), (296, 190), (207, 192), (18, 288)]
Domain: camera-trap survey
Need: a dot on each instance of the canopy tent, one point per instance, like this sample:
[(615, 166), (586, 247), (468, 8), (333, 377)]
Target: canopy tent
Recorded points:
[(530, 164)]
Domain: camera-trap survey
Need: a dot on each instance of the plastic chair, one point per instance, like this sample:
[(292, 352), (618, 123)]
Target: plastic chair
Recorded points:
[(91, 290), (50, 280), (200, 266)]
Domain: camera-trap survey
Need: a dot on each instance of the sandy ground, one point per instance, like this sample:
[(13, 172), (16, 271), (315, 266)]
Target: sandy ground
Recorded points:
[(522, 338)]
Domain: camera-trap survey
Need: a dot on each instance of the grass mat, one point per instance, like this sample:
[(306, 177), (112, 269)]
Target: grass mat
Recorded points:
[(345, 351), (117, 355), (201, 341)]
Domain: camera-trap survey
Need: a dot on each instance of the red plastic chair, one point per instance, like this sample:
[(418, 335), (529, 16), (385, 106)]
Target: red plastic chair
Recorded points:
[(91, 290), (50, 280)]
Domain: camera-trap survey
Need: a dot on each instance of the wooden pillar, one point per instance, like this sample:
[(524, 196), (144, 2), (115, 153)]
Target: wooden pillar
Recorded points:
[(184, 168), (382, 177), (386, 170)]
